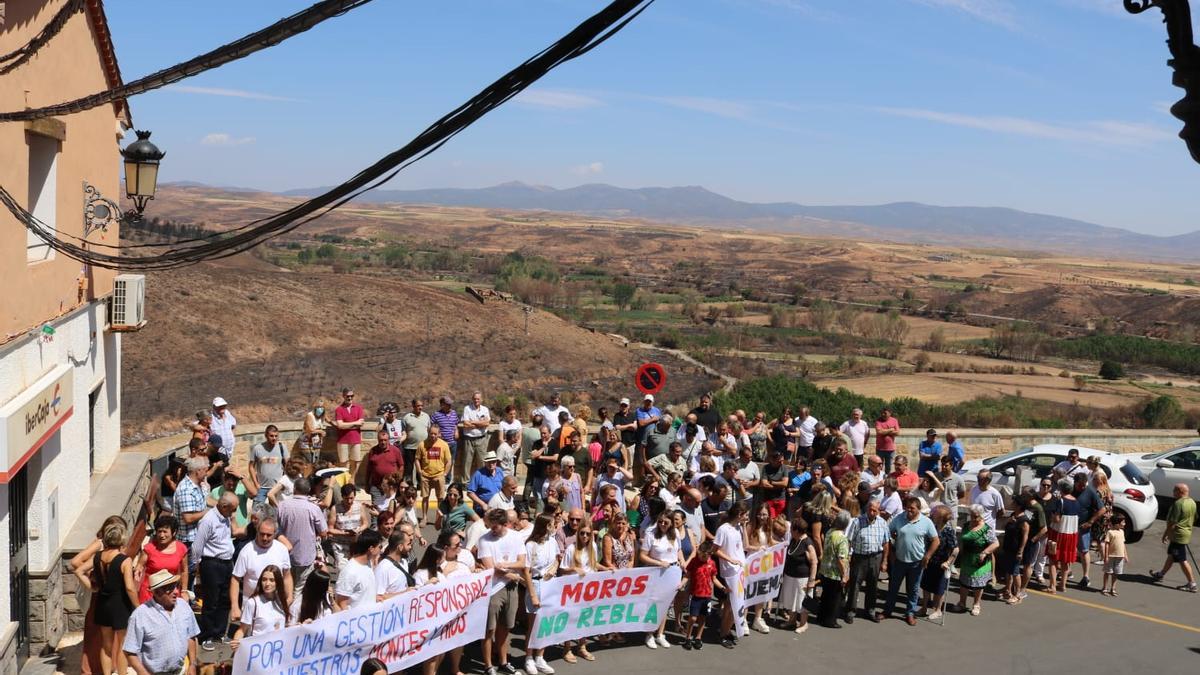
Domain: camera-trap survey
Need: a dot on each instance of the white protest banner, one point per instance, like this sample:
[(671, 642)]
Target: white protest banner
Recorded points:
[(401, 631), (623, 601), (757, 582), (763, 573)]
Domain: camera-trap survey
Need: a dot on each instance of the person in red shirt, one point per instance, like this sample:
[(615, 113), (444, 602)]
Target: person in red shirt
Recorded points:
[(841, 462), (702, 576), (348, 419), (887, 428), (383, 460), (907, 480)]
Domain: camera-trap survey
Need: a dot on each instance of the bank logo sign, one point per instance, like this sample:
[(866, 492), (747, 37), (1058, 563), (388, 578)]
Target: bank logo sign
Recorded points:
[(32, 417)]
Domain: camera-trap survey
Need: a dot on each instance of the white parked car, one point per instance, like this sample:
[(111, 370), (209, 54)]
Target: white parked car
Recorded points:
[(1133, 493), (1168, 468)]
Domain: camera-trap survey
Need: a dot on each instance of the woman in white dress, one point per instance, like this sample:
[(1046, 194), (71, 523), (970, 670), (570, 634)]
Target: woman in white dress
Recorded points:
[(660, 548), (541, 564)]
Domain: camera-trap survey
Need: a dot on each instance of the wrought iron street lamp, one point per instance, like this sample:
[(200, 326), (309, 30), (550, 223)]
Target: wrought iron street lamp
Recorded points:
[(1185, 60), (141, 181)]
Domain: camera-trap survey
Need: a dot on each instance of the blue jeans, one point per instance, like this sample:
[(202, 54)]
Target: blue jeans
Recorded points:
[(261, 497), (910, 573)]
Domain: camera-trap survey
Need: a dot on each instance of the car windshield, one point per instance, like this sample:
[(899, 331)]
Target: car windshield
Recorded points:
[(1134, 474), (1157, 455), (1002, 458)]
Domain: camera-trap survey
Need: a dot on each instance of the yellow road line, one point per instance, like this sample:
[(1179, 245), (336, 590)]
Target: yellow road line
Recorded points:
[(1132, 615)]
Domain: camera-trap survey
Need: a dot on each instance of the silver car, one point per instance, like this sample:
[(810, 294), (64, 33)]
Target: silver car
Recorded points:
[(1168, 468), (1133, 495)]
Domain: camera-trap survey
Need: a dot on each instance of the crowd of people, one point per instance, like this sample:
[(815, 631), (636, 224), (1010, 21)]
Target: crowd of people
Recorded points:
[(294, 535)]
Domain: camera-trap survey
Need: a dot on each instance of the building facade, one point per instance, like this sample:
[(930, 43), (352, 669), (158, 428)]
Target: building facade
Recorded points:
[(59, 361)]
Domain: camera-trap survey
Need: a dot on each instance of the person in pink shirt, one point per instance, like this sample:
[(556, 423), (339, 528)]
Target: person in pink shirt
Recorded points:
[(887, 428), (348, 419)]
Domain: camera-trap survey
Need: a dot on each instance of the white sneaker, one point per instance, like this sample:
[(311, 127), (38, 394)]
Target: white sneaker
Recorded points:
[(662, 642), (531, 666), (761, 626), (935, 615), (542, 666), (650, 642)]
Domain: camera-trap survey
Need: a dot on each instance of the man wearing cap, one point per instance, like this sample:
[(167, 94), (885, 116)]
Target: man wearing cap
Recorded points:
[(390, 422), (485, 482), (161, 635), (449, 423), (929, 451), (474, 423), (348, 419), (551, 410), (223, 424), (625, 422), (212, 554), (648, 416)]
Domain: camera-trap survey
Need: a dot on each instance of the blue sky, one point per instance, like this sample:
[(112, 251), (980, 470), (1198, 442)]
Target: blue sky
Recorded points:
[(1054, 106)]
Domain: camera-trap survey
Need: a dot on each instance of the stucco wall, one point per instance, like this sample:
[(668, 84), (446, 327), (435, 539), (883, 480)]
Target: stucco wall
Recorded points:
[(57, 475), (67, 67)]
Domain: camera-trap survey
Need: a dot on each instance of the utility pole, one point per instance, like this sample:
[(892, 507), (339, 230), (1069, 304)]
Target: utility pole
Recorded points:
[(528, 310)]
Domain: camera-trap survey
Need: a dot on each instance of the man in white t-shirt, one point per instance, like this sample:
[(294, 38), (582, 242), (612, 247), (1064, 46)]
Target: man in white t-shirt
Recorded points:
[(356, 579), (550, 411), (988, 497), (730, 552), (858, 431), (504, 552), (806, 424), (253, 559)]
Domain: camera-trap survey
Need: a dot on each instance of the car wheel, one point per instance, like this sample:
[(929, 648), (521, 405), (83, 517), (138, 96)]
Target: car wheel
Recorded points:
[(1131, 536)]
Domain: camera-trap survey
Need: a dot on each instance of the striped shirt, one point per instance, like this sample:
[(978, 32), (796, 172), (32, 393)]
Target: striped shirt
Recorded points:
[(189, 498), (446, 423), (160, 638), (866, 537)]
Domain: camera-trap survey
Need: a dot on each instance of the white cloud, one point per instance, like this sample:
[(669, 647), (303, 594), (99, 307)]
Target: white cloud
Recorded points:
[(1107, 132), (557, 99), (225, 139), (999, 12), (713, 106), (1163, 107), (591, 169), (234, 93)]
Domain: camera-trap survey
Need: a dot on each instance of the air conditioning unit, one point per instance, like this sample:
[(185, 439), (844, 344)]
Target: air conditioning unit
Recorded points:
[(127, 306)]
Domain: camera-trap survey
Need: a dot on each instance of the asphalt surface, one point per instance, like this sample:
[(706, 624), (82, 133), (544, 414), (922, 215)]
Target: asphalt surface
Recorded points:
[(1151, 628)]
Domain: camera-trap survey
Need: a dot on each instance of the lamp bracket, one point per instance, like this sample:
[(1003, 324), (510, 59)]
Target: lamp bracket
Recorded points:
[(99, 211)]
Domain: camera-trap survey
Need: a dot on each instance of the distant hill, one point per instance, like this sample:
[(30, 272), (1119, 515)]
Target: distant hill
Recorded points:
[(909, 221)]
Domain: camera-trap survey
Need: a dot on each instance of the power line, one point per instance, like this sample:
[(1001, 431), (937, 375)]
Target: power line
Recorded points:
[(268, 37), (25, 52), (583, 38)]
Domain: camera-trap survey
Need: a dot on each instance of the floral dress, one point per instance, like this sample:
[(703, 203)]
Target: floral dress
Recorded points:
[(975, 569)]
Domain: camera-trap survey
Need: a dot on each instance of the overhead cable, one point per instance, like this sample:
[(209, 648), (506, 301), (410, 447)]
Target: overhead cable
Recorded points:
[(16, 57), (268, 37), (584, 37)]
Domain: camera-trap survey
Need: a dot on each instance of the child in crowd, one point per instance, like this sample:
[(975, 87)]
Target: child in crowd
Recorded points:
[(702, 577), (1112, 549)]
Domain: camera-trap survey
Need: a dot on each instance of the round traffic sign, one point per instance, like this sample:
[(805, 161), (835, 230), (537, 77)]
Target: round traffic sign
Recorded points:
[(650, 378)]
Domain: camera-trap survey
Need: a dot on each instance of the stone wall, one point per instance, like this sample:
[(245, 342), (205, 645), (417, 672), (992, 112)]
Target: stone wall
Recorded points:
[(47, 621), (980, 443)]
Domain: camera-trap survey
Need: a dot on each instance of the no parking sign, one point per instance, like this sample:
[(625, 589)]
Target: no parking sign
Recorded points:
[(650, 378)]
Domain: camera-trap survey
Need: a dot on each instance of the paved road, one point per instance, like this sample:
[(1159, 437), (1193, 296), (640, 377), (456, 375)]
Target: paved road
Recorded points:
[(1149, 628)]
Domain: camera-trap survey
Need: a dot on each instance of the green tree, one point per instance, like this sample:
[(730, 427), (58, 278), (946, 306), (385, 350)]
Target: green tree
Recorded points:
[(326, 251), (1111, 370), (1163, 412), (622, 293), (305, 255)]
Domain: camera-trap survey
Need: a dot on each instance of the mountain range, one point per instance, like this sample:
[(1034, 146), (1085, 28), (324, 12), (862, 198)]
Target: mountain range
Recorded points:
[(912, 222)]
